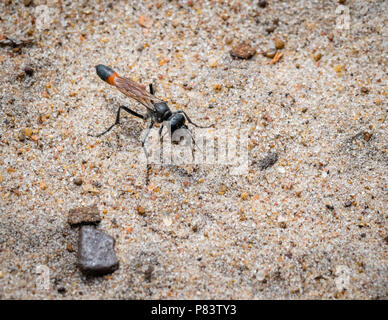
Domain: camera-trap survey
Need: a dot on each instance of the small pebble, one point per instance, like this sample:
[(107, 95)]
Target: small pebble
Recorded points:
[(243, 51), (140, 210), (21, 136), (29, 71), (244, 196), (78, 181), (338, 68), (262, 3), (217, 87), (28, 132), (330, 207), (348, 204), (228, 40), (282, 225), (225, 17), (270, 53), (317, 57), (279, 44), (84, 215), (145, 22), (270, 29), (69, 247), (148, 273), (213, 63), (222, 189), (365, 90), (367, 136)]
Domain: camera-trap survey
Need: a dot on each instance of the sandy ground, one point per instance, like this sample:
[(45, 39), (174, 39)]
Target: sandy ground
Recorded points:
[(312, 226)]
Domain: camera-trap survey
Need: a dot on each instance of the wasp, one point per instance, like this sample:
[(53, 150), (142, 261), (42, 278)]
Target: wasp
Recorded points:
[(157, 110)]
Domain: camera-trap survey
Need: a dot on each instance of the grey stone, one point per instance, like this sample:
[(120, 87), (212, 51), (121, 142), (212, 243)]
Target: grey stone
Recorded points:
[(96, 255), (268, 161)]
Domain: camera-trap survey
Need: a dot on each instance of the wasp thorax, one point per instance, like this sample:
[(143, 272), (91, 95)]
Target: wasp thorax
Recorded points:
[(163, 111)]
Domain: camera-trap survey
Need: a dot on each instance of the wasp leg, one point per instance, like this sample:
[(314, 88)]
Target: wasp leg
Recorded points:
[(195, 144), (160, 133), (152, 91), (118, 119), (161, 144), (189, 120), (143, 141)]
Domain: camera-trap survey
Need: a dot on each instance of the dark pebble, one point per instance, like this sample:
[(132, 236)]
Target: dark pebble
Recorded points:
[(270, 29), (148, 273), (268, 161), (78, 181), (363, 235), (288, 255), (61, 290), (367, 136), (29, 71), (386, 239), (330, 207), (96, 255), (365, 90), (21, 136), (348, 204), (84, 215), (262, 4), (282, 225)]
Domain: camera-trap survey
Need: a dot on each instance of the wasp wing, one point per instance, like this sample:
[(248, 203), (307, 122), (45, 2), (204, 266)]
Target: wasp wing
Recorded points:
[(136, 91)]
